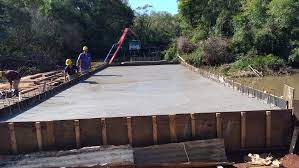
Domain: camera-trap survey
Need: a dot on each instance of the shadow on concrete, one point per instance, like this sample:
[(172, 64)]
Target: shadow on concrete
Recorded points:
[(90, 82), (108, 75)]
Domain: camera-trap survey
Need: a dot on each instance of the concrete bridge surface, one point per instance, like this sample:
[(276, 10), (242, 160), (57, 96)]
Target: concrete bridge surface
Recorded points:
[(141, 90)]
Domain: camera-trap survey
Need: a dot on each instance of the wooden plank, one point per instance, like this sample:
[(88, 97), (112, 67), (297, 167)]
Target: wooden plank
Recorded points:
[(211, 150), (193, 125), (163, 129), (39, 135), (13, 141), (183, 127), (90, 132), (142, 131), (193, 151), (155, 130), (268, 128), (172, 127), (231, 130), (205, 126), (104, 131), (64, 132), (296, 108), (281, 128), (50, 133), (294, 140), (77, 133), (218, 125), (256, 129), (117, 131), (26, 139), (243, 129), (5, 144), (129, 126)]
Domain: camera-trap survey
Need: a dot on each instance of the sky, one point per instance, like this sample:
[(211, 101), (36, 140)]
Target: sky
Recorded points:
[(158, 5)]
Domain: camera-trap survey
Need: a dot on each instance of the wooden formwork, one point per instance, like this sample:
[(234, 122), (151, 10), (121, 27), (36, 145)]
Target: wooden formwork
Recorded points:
[(240, 130)]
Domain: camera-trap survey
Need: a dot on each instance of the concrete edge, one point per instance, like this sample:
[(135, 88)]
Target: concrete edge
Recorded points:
[(145, 63), (261, 95)]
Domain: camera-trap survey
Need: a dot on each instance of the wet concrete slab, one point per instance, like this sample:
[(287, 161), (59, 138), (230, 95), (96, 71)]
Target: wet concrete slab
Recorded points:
[(139, 91)]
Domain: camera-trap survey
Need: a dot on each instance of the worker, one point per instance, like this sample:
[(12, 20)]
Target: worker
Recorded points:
[(13, 78), (70, 71), (83, 61)]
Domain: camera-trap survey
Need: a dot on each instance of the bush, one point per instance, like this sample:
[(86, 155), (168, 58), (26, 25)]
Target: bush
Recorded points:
[(171, 53), (194, 58), (185, 46), (261, 63), (294, 57), (216, 51)]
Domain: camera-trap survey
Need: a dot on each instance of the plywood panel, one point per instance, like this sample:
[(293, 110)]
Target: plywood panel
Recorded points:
[(205, 126), (64, 132), (4, 140), (163, 129), (142, 131), (255, 129), (117, 133), (183, 127), (281, 128), (90, 132), (26, 137), (231, 130)]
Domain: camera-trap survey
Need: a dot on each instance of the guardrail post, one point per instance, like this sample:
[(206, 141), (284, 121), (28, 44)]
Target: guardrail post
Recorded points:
[(243, 129), (39, 135), (218, 125), (129, 126), (172, 128), (193, 131), (155, 130), (77, 133), (13, 141), (104, 131), (268, 128)]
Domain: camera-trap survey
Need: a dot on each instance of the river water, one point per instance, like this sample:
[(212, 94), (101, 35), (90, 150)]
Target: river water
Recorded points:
[(273, 84)]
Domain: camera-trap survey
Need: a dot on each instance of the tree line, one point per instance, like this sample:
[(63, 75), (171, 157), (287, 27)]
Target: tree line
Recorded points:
[(38, 35), (241, 33)]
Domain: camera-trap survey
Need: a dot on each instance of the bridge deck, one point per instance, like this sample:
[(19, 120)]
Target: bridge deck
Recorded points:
[(141, 90)]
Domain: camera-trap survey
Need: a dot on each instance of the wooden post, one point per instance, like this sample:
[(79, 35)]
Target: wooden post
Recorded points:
[(294, 140), (77, 133), (172, 128), (268, 128), (155, 130), (193, 125), (243, 129), (218, 125), (129, 126), (39, 135), (50, 133), (104, 131), (13, 141)]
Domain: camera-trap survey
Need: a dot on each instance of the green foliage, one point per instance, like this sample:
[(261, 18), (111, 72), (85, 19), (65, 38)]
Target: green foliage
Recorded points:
[(195, 58), (48, 31), (171, 53), (155, 28), (294, 57), (261, 63)]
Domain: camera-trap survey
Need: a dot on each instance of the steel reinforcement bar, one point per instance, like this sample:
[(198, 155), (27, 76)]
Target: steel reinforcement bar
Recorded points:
[(240, 130)]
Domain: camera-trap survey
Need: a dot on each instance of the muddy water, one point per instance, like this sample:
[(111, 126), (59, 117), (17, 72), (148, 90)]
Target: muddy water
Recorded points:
[(274, 84)]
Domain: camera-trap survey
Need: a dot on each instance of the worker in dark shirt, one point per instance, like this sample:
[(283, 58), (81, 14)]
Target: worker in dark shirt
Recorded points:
[(13, 78), (70, 71)]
